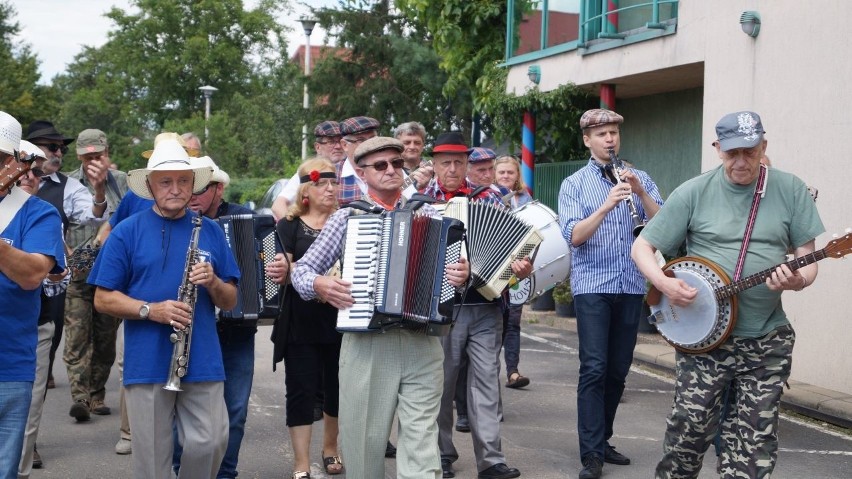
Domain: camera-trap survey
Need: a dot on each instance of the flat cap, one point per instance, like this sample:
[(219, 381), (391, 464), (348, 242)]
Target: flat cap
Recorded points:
[(598, 117), (91, 141), (327, 128), (742, 129), (479, 153), (358, 124), (377, 143)]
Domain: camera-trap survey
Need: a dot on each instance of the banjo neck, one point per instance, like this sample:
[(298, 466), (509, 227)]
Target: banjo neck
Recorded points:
[(835, 249)]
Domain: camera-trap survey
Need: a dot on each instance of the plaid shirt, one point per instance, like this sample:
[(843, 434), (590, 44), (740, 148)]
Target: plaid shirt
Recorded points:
[(349, 189), (437, 191), (326, 249)]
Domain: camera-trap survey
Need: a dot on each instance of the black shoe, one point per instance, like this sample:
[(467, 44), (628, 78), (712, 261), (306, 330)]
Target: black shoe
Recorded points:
[(592, 467), (611, 456), (37, 462), (447, 468), (390, 450), (499, 471), (462, 424), (80, 411)]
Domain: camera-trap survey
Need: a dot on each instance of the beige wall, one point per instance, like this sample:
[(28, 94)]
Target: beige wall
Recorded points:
[(796, 74)]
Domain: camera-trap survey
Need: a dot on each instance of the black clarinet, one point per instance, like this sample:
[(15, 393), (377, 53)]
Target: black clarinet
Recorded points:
[(618, 168)]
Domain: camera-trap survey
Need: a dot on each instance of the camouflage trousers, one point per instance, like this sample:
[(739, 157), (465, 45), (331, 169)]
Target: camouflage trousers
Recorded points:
[(89, 343), (757, 369)]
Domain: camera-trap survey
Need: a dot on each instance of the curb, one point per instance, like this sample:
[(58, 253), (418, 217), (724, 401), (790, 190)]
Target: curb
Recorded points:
[(818, 403)]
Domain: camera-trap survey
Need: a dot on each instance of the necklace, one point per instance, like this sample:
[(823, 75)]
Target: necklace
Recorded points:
[(312, 232)]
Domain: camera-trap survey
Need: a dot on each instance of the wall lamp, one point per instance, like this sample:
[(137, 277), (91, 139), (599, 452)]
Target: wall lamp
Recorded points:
[(534, 74), (750, 23)]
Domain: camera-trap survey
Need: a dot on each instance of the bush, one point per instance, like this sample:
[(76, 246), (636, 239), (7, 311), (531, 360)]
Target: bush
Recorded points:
[(242, 190), (562, 293)]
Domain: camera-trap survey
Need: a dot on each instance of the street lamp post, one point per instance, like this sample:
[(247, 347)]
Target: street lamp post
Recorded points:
[(308, 26), (208, 93)]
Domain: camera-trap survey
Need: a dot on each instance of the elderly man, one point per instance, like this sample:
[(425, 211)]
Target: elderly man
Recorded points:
[(476, 333), (398, 371), (30, 247), (413, 136), (76, 205), (89, 334), (236, 338), (709, 214), (607, 287), (137, 274), (328, 144)]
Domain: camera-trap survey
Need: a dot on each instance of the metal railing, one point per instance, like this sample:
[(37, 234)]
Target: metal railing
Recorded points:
[(602, 26), (549, 177)]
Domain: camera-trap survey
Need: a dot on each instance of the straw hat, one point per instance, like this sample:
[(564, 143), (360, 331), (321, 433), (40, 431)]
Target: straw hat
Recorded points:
[(168, 155), (171, 136)]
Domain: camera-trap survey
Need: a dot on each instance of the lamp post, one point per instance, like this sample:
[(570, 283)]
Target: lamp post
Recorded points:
[(208, 93), (308, 26)]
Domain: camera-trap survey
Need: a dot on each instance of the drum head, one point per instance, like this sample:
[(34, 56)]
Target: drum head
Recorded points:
[(693, 324), (521, 292), (552, 261)]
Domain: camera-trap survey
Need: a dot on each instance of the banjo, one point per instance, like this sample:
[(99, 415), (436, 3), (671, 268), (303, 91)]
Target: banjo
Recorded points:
[(707, 322)]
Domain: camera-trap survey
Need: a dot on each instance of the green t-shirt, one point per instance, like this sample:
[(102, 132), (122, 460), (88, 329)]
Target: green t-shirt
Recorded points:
[(709, 214)]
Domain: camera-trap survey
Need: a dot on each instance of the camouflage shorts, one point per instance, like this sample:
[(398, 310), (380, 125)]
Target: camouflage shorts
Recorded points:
[(757, 368)]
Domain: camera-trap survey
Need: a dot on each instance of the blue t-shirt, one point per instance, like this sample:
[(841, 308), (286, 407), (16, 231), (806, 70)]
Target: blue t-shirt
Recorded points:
[(36, 228), (130, 204), (145, 259)]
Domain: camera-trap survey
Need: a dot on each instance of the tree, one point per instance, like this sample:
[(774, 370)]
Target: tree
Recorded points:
[(146, 78), (384, 67), (20, 94)]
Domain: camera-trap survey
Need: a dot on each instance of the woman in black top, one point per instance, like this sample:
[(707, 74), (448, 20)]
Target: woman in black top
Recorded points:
[(304, 335)]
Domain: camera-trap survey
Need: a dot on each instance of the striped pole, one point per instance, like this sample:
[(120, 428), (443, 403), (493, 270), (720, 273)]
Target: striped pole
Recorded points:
[(528, 150)]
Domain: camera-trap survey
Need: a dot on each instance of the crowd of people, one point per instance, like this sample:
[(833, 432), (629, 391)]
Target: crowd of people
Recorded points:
[(80, 255)]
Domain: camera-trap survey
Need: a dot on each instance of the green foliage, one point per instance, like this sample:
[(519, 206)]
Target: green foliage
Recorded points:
[(388, 69), (558, 134), (246, 189), (562, 293), (20, 95), (145, 80)]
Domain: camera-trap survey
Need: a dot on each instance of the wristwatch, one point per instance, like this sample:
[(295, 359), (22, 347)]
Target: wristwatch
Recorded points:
[(144, 310)]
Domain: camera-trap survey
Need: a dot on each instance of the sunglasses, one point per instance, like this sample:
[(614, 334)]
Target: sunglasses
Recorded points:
[(206, 188), (54, 147), (397, 163), (37, 172)]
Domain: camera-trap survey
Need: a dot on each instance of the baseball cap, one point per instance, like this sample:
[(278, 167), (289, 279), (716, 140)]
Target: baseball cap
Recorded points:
[(91, 141), (742, 129)]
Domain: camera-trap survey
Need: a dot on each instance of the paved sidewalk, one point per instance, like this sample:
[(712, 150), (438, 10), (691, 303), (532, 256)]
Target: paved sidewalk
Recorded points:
[(652, 351)]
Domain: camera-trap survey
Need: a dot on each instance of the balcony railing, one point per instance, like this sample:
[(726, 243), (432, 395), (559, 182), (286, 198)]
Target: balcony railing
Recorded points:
[(599, 22)]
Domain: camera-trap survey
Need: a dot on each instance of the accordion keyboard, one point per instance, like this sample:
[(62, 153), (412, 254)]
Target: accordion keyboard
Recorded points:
[(361, 270)]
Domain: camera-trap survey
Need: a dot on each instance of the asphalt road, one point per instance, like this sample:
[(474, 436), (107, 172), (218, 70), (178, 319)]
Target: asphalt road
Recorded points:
[(539, 432)]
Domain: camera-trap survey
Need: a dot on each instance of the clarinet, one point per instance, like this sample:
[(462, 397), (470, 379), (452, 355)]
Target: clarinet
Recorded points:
[(618, 168), (187, 294)]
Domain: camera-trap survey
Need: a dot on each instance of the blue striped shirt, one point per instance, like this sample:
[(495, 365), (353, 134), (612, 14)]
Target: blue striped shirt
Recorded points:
[(602, 264)]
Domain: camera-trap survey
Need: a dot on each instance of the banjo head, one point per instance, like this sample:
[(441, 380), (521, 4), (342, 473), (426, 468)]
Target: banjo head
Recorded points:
[(706, 322)]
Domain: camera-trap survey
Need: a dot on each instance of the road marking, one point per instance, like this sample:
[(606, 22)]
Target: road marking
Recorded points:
[(548, 342), (816, 451)]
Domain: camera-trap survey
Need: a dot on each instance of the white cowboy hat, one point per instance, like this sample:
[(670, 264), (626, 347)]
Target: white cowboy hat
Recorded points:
[(168, 155), (218, 176), (31, 149)]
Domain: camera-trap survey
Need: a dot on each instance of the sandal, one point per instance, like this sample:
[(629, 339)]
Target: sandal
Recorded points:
[(301, 475), (517, 381), (333, 464)]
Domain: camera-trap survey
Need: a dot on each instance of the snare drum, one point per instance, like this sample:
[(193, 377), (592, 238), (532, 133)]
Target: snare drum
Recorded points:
[(552, 262)]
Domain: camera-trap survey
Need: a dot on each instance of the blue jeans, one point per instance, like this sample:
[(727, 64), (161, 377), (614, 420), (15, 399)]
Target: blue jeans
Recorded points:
[(15, 398), (512, 337), (607, 325), (237, 345)]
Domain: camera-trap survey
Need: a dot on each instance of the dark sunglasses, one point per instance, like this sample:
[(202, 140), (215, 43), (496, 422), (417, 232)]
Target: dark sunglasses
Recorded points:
[(397, 163), (206, 188), (54, 147), (37, 172)]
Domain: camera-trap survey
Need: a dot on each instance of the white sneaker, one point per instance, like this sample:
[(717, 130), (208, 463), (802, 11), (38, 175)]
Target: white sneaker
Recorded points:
[(123, 446)]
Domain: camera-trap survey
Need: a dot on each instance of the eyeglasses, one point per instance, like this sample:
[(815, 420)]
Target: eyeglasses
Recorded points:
[(206, 188), (323, 183), (397, 163), (54, 147), (327, 141)]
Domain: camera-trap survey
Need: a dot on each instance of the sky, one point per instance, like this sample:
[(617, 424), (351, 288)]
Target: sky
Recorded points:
[(56, 30)]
